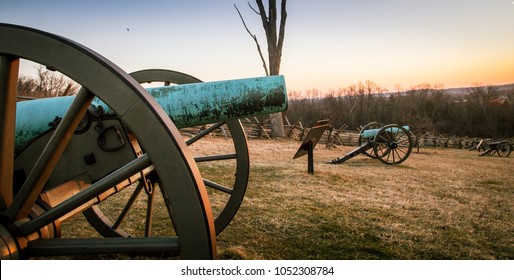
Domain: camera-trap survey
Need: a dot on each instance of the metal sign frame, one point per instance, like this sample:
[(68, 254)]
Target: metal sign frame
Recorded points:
[(310, 141)]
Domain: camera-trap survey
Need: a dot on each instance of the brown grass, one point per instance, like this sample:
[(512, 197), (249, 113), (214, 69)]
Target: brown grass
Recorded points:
[(438, 204)]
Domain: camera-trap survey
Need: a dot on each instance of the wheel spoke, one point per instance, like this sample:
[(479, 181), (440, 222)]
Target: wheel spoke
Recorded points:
[(403, 142), (388, 155), (400, 150), (381, 139), (217, 186), (8, 90), (128, 205), (398, 154), (86, 195), (204, 132), (215, 157), (399, 135), (48, 159), (382, 149)]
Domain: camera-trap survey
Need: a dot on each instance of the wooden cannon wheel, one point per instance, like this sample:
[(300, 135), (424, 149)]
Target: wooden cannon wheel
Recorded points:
[(181, 185), (372, 125), (504, 149), (392, 144), (225, 197)]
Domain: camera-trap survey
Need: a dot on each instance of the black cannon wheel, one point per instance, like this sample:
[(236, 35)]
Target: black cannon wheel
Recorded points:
[(372, 125), (225, 196), (183, 191), (504, 149), (392, 144)]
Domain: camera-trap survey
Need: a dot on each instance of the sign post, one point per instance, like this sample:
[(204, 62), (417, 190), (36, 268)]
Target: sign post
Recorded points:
[(310, 141)]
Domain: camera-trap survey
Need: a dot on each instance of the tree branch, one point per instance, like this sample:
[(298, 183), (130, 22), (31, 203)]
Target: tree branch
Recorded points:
[(262, 13), (254, 10), (256, 41), (272, 12), (281, 35), (283, 16)]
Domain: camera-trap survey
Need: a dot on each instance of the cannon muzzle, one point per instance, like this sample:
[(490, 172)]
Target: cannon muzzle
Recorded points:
[(187, 105)]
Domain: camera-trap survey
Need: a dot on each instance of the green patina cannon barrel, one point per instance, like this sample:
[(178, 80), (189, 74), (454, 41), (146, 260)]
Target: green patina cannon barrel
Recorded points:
[(371, 133), (187, 105)]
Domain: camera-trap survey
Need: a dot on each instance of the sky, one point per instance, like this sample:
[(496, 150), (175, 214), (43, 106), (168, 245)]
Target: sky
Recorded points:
[(329, 44)]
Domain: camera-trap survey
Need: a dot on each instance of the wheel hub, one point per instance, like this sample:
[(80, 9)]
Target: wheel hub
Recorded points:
[(12, 244), (8, 245), (393, 145)]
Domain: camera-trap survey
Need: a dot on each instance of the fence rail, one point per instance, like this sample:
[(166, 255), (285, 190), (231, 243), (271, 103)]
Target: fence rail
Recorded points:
[(342, 136)]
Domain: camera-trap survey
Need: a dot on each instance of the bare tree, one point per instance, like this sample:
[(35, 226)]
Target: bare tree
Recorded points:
[(275, 41), (46, 84), (52, 84), (27, 86)]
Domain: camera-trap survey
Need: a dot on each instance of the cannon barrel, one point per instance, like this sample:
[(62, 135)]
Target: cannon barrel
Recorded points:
[(187, 105), (370, 133)]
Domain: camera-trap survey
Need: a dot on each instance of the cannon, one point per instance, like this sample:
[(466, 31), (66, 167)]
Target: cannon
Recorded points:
[(78, 155), (486, 147), (391, 144)]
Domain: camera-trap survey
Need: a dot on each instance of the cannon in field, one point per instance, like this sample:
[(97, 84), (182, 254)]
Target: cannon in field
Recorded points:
[(391, 144), (113, 152), (486, 147)]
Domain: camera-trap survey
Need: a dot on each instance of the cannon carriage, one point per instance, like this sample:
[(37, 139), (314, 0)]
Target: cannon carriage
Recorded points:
[(116, 137)]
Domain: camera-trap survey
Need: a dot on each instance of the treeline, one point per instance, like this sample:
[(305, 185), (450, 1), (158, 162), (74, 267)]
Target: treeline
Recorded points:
[(46, 84), (482, 111)]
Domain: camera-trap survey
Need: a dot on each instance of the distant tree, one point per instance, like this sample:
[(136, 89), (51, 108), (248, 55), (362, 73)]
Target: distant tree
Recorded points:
[(484, 109), (510, 114), (27, 86), (46, 84), (275, 41)]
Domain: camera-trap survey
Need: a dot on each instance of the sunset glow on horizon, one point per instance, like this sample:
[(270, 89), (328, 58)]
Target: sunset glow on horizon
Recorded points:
[(329, 44)]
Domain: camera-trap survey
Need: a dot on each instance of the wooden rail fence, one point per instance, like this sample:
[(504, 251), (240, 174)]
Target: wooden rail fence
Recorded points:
[(342, 136)]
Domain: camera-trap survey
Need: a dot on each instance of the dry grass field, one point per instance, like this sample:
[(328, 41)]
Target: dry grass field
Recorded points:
[(438, 204)]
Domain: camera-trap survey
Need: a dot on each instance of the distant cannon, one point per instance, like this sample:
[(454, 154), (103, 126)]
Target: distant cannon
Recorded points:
[(115, 138), (485, 147), (391, 144)]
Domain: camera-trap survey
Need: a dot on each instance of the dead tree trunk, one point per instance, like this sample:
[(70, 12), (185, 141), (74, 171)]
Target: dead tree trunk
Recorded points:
[(275, 42)]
